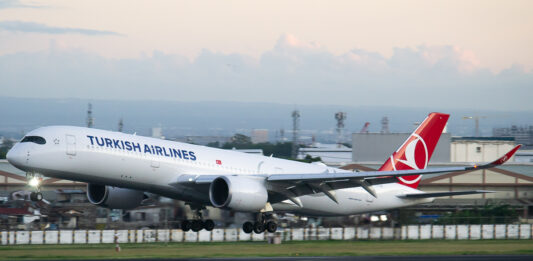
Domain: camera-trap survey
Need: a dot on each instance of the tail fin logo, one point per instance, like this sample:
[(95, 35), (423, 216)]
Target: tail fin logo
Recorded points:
[(414, 156), (416, 151)]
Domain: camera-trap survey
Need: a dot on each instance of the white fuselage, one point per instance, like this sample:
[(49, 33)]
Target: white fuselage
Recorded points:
[(154, 165)]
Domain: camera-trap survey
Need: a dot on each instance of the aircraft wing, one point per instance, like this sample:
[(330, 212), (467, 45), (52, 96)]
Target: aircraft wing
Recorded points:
[(368, 175), (290, 186)]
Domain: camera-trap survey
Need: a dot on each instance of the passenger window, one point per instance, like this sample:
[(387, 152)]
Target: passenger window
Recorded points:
[(34, 139)]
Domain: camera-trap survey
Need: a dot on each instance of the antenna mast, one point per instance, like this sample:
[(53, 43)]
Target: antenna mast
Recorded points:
[(340, 117), (90, 119), (120, 125), (295, 130), (385, 125)]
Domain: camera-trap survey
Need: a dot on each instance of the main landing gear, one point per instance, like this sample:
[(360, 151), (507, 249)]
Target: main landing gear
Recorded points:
[(35, 181), (197, 223), (264, 222), (36, 196)]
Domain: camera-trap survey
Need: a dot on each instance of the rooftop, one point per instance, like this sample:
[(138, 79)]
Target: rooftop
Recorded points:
[(457, 138)]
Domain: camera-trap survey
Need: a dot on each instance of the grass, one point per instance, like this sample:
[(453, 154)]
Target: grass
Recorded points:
[(247, 249)]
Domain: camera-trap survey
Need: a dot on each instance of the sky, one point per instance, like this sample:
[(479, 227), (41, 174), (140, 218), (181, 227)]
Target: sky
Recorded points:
[(445, 54)]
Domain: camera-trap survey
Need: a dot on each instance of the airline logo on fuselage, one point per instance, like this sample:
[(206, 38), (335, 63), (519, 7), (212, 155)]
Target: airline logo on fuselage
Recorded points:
[(143, 148)]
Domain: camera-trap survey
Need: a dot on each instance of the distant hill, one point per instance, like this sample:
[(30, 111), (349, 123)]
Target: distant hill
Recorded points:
[(20, 115)]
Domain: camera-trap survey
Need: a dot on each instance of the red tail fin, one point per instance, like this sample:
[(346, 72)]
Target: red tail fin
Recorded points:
[(416, 151)]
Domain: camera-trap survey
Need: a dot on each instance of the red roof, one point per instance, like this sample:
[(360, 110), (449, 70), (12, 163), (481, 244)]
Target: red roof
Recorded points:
[(14, 211)]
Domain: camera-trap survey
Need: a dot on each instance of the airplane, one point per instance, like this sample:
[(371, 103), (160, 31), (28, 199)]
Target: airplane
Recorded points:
[(122, 169)]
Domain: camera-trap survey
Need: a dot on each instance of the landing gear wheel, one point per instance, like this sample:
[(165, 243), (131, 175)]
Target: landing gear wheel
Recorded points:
[(197, 225), (36, 196), (186, 225), (259, 227), (247, 227), (209, 225), (271, 226)]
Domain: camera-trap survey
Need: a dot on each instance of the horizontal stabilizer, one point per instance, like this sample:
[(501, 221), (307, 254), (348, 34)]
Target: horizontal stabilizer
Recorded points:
[(443, 194)]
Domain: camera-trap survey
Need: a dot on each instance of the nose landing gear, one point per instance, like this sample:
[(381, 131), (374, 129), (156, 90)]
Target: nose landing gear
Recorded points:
[(36, 196), (35, 181)]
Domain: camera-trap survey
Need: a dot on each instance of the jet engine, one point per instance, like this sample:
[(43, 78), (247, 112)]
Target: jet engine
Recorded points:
[(238, 193), (113, 197)]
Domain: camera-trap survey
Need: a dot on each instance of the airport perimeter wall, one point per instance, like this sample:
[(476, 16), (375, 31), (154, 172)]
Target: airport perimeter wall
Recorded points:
[(409, 232)]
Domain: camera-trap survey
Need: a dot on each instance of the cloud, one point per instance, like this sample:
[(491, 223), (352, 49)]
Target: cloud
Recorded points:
[(31, 27), (441, 57), (5, 4), (292, 72)]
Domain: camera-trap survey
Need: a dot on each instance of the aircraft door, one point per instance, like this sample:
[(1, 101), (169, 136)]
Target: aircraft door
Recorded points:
[(71, 145)]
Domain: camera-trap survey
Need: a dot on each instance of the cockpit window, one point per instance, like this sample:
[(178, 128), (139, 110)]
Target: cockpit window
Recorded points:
[(34, 139)]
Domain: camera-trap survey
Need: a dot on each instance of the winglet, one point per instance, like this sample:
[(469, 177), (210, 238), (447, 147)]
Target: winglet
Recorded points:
[(505, 157), (499, 161)]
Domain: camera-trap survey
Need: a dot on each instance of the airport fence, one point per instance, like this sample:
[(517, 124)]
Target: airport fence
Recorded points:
[(408, 232)]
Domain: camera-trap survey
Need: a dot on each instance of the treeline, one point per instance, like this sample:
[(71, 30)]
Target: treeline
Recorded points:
[(488, 214), (5, 147), (278, 149)]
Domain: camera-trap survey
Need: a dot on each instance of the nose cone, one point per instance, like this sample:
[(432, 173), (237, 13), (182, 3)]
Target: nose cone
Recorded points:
[(15, 157)]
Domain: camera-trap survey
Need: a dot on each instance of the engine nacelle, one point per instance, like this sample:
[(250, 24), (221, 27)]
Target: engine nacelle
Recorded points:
[(113, 197), (238, 193)]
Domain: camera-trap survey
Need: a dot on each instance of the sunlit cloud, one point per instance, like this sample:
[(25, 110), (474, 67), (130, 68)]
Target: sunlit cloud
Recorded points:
[(291, 72), (5, 4), (31, 27)]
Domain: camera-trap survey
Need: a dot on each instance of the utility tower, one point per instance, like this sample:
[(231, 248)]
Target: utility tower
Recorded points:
[(340, 117), (295, 130), (385, 125), (120, 125), (90, 119)]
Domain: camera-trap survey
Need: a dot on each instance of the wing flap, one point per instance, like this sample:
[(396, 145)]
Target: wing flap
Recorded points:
[(361, 175), (443, 194)]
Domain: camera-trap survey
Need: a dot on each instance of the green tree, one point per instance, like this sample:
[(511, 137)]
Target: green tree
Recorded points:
[(6, 146), (488, 214), (239, 141), (215, 144)]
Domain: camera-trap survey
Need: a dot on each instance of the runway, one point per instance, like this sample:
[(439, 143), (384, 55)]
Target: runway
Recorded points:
[(359, 258)]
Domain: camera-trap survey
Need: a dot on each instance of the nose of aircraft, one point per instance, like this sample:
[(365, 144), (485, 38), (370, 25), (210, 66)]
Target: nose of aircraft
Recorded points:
[(15, 157)]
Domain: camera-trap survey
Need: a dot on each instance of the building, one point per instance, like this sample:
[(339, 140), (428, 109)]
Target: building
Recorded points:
[(524, 156), (522, 135), (250, 151), (328, 153), (377, 147), (204, 140), (480, 149), (157, 132), (259, 135)]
